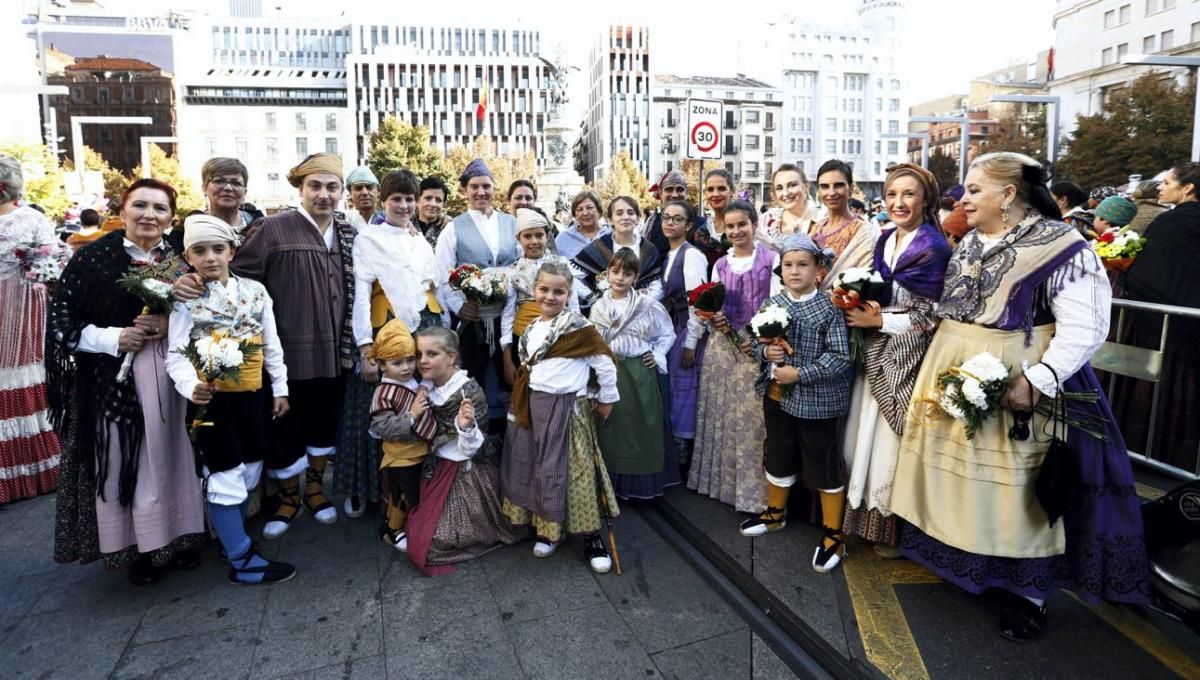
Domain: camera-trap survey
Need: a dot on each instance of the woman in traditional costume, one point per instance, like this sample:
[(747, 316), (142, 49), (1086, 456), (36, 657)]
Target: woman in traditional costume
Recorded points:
[(552, 472), (458, 517), (911, 257), (727, 463), (129, 491), (586, 226), (638, 449), (394, 277), (685, 270), (592, 261), (852, 239), (1026, 288), (709, 234), (792, 212), (29, 448)]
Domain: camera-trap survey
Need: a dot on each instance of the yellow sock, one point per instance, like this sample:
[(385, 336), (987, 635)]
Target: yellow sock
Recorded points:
[(397, 513), (833, 504), (777, 497)]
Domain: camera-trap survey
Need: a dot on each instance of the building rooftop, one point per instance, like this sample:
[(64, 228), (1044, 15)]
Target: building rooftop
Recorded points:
[(710, 81), (104, 62)]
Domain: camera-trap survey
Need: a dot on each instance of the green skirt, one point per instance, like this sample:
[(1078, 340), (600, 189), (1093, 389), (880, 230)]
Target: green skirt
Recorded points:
[(632, 443)]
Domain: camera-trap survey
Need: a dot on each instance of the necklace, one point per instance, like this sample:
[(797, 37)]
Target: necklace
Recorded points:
[(822, 236)]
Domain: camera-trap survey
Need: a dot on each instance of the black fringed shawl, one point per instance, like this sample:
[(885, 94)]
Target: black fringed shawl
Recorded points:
[(88, 293)]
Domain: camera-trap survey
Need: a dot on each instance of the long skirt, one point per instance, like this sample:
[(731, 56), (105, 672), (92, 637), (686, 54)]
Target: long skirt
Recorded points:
[(29, 448), (635, 449), (167, 512), (459, 516), (970, 510), (555, 470), (356, 467), (728, 460), (685, 384), (871, 448)]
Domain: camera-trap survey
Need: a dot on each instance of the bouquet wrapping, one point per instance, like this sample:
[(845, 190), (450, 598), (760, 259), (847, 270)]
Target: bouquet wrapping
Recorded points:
[(856, 288), (708, 299), (1117, 250), (480, 286), (215, 357)]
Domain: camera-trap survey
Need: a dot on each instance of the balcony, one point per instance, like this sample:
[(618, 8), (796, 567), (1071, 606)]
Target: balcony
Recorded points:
[(730, 123)]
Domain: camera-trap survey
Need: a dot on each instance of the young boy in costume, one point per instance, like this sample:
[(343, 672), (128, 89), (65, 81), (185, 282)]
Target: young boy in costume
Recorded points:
[(233, 438), (804, 393), (552, 470), (403, 421)]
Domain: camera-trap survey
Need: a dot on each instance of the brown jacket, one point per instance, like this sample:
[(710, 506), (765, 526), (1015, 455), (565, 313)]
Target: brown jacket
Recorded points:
[(307, 285)]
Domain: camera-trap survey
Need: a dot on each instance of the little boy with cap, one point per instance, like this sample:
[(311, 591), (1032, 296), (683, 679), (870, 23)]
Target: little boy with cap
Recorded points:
[(1114, 212)]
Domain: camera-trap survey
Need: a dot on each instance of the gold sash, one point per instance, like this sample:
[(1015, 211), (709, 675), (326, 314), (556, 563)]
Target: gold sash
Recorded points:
[(526, 313)]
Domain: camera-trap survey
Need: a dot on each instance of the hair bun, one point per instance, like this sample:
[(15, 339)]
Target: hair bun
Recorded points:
[(1041, 173)]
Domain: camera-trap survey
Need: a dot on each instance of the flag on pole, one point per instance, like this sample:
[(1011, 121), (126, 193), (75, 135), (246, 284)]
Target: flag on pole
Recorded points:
[(481, 107), (1050, 65)]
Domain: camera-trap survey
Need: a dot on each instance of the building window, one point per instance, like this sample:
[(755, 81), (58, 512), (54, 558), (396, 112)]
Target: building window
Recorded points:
[(1167, 40), (878, 145), (301, 124), (331, 122), (893, 148), (1124, 14), (830, 146), (1106, 56), (831, 124), (752, 116), (1122, 50), (1196, 31), (751, 141), (272, 149), (301, 148), (1110, 18), (243, 148), (212, 146), (331, 145), (1148, 45), (893, 105), (270, 121), (893, 126), (752, 168), (876, 167)]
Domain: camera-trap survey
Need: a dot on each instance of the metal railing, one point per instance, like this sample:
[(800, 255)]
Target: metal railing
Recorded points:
[(1146, 364)]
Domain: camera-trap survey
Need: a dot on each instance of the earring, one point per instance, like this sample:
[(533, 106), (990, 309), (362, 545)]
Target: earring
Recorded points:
[(1004, 213)]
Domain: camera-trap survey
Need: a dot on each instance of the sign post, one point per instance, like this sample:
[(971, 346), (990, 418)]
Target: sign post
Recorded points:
[(704, 135)]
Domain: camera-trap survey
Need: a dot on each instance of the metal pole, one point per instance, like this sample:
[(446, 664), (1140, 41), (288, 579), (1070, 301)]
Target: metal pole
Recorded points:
[(925, 152), (48, 133), (700, 190), (1052, 127), (962, 156), (1196, 120)]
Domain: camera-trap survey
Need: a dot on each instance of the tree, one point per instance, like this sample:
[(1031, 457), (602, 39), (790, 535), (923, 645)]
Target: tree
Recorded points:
[(43, 177), (1020, 130), (397, 145), (504, 169), (1143, 129), (114, 181), (624, 178), (166, 169), (944, 168)]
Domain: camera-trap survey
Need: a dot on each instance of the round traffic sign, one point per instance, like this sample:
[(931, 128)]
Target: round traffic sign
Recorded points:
[(704, 136)]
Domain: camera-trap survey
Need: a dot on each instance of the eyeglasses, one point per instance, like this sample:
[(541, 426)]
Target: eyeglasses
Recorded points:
[(221, 183), (674, 220)]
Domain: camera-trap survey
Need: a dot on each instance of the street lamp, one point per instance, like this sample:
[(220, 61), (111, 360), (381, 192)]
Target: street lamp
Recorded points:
[(1052, 116), (964, 121), (77, 123), (1185, 62), (146, 142), (923, 136)]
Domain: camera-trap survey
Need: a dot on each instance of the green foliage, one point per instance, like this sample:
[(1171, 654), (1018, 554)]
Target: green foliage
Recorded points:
[(504, 169), (1143, 129), (114, 181), (1022, 130), (43, 178), (396, 145), (624, 178), (166, 169), (944, 168)]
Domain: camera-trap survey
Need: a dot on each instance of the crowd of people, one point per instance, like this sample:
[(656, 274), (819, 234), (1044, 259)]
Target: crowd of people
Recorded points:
[(490, 377)]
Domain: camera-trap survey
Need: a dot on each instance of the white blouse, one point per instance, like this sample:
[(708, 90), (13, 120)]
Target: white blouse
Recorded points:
[(652, 331), (569, 376)]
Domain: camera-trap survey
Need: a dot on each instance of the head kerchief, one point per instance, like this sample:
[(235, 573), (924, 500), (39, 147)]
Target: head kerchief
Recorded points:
[(202, 228), (361, 175), (803, 242), (476, 168), (531, 219), (394, 341), (323, 163)]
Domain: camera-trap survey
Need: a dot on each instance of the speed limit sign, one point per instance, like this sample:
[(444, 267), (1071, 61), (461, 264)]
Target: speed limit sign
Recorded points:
[(704, 129)]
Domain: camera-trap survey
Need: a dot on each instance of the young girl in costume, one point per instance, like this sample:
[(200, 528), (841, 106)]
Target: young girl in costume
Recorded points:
[(638, 449), (804, 393), (533, 234), (233, 438), (686, 269), (727, 463), (459, 515), (402, 420), (394, 277), (552, 469)]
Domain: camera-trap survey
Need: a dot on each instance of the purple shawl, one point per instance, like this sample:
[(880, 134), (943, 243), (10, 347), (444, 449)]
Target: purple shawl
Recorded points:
[(921, 268)]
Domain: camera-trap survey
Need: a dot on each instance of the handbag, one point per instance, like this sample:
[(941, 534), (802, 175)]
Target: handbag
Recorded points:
[(1059, 486)]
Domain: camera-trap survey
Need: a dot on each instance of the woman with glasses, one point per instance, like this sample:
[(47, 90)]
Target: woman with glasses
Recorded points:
[(225, 187)]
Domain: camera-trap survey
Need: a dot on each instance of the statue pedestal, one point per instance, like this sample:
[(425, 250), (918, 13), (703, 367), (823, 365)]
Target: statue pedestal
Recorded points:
[(559, 183)]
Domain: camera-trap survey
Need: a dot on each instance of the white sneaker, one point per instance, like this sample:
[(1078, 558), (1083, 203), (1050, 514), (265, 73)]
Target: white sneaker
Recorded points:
[(354, 510), (542, 549), (327, 516), (597, 554)]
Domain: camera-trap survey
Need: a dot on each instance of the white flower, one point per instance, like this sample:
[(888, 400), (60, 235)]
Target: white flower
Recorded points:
[(876, 277), (973, 391), (952, 408), (769, 315), (159, 288), (855, 274), (985, 368), (952, 390)]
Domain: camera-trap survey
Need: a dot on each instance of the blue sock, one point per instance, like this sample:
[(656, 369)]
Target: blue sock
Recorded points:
[(231, 529)]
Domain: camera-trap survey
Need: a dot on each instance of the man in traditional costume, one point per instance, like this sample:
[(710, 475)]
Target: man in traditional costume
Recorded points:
[(486, 238), (303, 257), (363, 188)]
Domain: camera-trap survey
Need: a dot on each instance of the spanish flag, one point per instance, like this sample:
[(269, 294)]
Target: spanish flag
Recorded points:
[(481, 107)]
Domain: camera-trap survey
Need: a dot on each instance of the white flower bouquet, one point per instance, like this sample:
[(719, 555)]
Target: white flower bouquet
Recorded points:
[(855, 288), (486, 287), (42, 263), (152, 284), (971, 392), (215, 357)]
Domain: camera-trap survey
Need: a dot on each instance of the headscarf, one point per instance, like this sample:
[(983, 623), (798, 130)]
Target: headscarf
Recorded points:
[(956, 192), (323, 163), (956, 222), (531, 219), (674, 178), (1100, 193), (393, 341), (1116, 210), (928, 184), (361, 175), (803, 242), (202, 228), (476, 168)]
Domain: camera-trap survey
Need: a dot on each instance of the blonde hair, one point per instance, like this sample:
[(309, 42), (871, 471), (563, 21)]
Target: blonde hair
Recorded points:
[(446, 339), (555, 269), (1009, 167)]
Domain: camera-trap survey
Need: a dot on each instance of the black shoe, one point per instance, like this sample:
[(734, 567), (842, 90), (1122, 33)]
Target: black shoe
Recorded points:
[(1022, 620), (187, 560), (597, 554), (825, 559), (143, 572), (272, 572)]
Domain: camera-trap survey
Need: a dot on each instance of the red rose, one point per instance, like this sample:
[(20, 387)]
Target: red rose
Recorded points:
[(1107, 237)]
